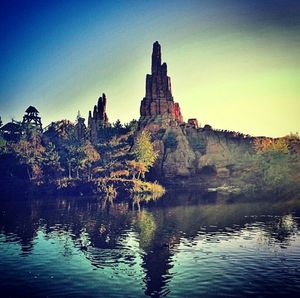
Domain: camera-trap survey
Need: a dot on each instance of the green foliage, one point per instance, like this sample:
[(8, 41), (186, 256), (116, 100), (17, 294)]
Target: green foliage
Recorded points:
[(61, 131), (198, 143), (91, 155), (3, 145), (170, 141), (118, 125), (144, 150), (56, 157), (161, 132), (293, 136), (270, 170), (30, 152), (51, 162), (132, 126)]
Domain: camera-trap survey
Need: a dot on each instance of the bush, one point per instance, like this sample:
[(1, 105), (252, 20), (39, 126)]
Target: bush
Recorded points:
[(198, 143), (171, 141)]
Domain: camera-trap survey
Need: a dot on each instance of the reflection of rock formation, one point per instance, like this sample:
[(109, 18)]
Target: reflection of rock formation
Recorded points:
[(157, 263), (98, 120), (159, 100), (157, 246)]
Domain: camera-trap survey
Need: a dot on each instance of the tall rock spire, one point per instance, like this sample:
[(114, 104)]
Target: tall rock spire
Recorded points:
[(158, 99), (156, 58)]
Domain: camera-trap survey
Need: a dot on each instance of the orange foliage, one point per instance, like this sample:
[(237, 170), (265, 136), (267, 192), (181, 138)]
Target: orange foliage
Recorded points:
[(120, 173), (267, 144)]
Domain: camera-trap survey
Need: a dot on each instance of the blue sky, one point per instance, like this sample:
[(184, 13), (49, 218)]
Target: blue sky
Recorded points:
[(233, 63)]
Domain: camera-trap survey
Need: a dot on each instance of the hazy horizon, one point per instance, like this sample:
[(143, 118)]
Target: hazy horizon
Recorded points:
[(233, 64)]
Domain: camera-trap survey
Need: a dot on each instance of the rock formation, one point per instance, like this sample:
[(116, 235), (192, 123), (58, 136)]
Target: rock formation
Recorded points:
[(188, 154), (98, 120), (159, 100), (80, 128), (193, 122)]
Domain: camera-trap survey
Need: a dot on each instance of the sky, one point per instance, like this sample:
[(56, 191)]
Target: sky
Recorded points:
[(234, 64)]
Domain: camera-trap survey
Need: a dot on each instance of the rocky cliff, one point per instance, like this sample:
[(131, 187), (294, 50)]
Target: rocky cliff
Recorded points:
[(197, 157), (188, 154)]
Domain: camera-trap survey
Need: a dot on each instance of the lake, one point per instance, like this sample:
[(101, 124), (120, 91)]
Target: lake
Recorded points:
[(184, 245)]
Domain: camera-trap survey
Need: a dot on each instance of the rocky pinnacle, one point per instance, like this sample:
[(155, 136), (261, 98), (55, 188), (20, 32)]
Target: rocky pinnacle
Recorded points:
[(158, 99)]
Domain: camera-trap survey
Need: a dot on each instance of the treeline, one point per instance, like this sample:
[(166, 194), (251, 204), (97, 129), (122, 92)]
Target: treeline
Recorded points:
[(57, 155)]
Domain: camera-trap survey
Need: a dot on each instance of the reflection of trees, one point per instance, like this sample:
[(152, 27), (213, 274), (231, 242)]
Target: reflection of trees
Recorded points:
[(146, 227), (20, 225), (156, 244), (280, 230)]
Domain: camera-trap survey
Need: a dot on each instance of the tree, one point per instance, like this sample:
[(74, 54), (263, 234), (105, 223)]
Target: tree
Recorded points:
[(73, 157), (30, 152), (136, 168), (144, 151), (272, 167), (91, 156), (131, 126), (3, 146), (267, 145), (51, 162), (118, 126)]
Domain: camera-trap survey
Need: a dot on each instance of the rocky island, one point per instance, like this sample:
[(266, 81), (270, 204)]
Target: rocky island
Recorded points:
[(160, 146)]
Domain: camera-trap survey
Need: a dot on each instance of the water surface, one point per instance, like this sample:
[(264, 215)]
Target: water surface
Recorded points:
[(185, 245)]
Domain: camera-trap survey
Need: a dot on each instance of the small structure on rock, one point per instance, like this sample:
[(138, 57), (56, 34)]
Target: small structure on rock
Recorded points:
[(31, 118), (12, 131), (193, 122)]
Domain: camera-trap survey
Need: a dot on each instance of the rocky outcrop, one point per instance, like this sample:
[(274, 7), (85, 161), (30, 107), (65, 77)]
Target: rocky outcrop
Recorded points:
[(158, 100), (193, 122), (80, 129), (195, 157), (98, 120), (188, 154)]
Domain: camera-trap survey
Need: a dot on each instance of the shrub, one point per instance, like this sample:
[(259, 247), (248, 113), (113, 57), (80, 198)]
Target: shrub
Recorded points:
[(198, 143), (170, 141)]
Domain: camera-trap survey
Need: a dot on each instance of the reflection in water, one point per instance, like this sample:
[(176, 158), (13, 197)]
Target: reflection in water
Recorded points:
[(151, 250)]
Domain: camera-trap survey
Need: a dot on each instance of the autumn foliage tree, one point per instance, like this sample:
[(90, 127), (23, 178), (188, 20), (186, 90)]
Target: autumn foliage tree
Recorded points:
[(263, 145), (30, 151), (91, 156), (144, 153), (273, 166)]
